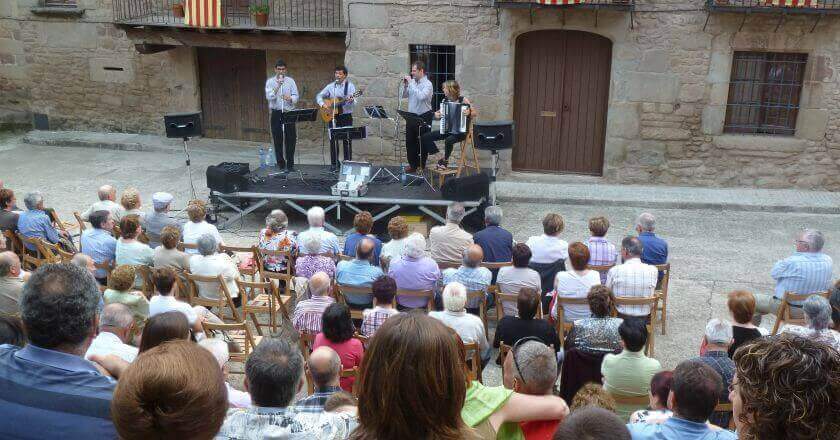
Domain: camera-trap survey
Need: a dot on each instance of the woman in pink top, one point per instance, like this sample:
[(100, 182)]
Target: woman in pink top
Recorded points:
[(337, 333)]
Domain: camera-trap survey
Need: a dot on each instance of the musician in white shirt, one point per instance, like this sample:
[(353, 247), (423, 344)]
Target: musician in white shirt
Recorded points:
[(281, 92), (452, 94), (345, 91), (419, 91)]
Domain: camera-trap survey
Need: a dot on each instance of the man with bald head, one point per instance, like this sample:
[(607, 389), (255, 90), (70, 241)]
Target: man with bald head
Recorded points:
[(11, 283), (324, 368), (107, 202), (307, 315), (359, 272), (471, 274), (632, 278), (116, 329)]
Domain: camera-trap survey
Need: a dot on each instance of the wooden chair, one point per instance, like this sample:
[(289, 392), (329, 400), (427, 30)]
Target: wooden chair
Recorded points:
[(640, 401), (224, 299), (32, 259), (261, 297), (473, 360), (727, 408), (564, 327), (107, 266), (602, 270), (80, 221), (64, 256), (652, 302), (783, 313), (183, 246), (145, 273), (443, 265), (496, 266), (502, 298), (662, 290), (429, 295), (284, 295), (51, 252), (306, 341), (287, 275), (238, 333), (13, 243), (482, 306), (343, 291), (342, 257), (354, 373), (468, 159), (251, 251), (504, 350)]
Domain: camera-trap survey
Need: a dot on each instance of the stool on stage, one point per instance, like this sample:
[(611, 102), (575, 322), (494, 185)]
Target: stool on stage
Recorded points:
[(468, 159)]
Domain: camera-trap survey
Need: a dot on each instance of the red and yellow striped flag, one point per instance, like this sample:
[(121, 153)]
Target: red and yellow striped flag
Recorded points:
[(793, 3), (203, 13), (560, 2)]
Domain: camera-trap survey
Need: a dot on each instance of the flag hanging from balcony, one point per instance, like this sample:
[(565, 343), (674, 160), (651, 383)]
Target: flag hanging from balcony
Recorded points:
[(203, 13), (559, 2), (793, 3)]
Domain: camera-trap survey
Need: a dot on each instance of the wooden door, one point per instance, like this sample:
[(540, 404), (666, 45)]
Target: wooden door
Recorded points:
[(232, 94), (561, 93)]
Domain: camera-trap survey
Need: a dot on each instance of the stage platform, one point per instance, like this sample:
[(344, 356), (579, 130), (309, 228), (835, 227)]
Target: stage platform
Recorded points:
[(385, 196)]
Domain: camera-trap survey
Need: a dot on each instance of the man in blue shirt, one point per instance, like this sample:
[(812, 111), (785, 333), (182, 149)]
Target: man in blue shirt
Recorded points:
[(98, 243), (36, 223), (359, 272), (363, 223), (655, 249), (496, 242), (471, 275), (694, 395), (49, 390)]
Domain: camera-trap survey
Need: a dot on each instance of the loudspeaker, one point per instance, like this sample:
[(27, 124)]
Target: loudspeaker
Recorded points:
[(496, 135), (468, 188), (227, 177), (183, 125)]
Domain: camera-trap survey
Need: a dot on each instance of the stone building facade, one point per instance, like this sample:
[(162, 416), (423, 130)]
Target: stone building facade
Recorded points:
[(668, 79)]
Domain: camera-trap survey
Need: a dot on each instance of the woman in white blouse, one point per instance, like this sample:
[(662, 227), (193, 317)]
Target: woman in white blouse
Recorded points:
[(198, 226), (575, 283), (548, 248)]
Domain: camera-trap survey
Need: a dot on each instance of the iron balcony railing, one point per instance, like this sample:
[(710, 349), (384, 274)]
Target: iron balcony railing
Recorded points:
[(776, 6), (285, 15), (580, 4)]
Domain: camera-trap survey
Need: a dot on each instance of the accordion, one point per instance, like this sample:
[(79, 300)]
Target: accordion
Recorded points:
[(453, 117)]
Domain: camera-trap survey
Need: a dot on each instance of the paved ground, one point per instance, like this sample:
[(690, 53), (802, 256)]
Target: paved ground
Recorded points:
[(713, 251)]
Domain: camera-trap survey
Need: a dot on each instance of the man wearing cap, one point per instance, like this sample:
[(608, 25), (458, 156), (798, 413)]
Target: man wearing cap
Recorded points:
[(160, 218)]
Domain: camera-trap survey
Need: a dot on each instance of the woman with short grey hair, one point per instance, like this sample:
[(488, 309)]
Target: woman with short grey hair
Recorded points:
[(209, 262), (275, 237), (818, 323), (310, 262)]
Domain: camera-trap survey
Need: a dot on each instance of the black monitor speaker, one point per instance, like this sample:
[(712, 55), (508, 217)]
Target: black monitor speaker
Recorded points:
[(495, 135), (183, 125)]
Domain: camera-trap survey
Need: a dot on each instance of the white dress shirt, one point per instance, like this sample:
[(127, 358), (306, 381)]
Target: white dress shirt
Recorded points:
[(419, 94), (275, 100), (192, 232), (106, 343), (213, 265), (162, 304), (633, 279), (333, 90), (469, 327), (329, 242), (547, 249)]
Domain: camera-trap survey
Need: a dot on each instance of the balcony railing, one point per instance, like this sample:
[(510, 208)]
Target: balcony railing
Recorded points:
[(776, 6), (283, 15), (577, 4)]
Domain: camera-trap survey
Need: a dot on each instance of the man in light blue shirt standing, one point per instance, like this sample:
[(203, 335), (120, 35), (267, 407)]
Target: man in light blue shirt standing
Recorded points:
[(359, 273), (419, 91), (281, 92), (343, 92), (808, 270), (98, 243)]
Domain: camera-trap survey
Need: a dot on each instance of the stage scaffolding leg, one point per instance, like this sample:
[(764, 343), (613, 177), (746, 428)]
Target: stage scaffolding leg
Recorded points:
[(240, 212)]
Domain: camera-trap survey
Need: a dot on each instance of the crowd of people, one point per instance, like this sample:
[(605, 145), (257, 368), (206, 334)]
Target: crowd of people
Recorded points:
[(91, 350)]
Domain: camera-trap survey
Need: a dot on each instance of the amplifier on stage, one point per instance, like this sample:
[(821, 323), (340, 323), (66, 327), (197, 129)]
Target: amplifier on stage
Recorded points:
[(227, 177)]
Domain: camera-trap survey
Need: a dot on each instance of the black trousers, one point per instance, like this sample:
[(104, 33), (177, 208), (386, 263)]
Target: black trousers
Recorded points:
[(277, 133), (342, 120), (427, 142), (412, 141)]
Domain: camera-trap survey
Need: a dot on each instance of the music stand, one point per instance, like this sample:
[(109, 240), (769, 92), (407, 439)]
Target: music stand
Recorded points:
[(378, 112), (415, 119), (293, 117)]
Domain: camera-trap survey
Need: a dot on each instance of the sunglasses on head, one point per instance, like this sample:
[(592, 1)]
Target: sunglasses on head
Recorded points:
[(513, 353)]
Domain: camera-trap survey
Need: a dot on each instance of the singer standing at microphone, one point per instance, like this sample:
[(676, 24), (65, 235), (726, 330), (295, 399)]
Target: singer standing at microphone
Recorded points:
[(419, 91), (341, 89), (282, 95)]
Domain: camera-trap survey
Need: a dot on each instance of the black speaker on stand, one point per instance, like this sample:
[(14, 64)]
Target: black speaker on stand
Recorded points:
[(184, 126), (493, 136)]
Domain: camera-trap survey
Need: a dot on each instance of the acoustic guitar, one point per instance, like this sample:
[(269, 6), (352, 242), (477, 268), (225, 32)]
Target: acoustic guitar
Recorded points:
[(326, 111)]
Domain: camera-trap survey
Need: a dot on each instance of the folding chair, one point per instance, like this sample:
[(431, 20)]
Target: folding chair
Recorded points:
[(652, 302), (342, 257), (564, 327), (504, 350), (239, 334), (354, 373), (13, 243), (343, 291), (634, 402), (284, 295), (482, 306), (145, 273), (509, 298), (51, 252), (32, 259), (107, 266), (223, 300), (727, 408), (181, 246), (306, 341), (286, 276), (82, 227), (662, 290), (428, 295), (602, 270), (443, 265), (251, 251), (261, 297), (496, 266), (783, 313), (473, 360)]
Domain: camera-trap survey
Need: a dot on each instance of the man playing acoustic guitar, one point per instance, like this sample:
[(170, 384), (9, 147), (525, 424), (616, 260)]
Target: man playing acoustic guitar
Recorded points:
[(337, 101)]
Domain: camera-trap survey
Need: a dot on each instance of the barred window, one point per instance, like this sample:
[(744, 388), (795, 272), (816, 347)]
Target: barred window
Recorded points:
[(440, 65), (764, 92), (60, 3)]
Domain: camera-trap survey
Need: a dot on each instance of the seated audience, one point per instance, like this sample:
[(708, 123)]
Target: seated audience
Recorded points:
[(307, 314), (36, 223), (511, 328), (98, 242), (273, 376), (384, 289), (210, 262), (83, 261), (116, 330), (448, 242), (414, 271), (786, 387), (512, 279), (471, 274), (329, 242), (168, 326), (496, 242), (834, 300), (601, 251), (359, 272), (598, 333), (324, 367), (11, 330), (741, 306), (592, 423), (655, 249), (808, 270), (469, 327), (107, 202), (549, 247), (657, 411), (629, 373), (11, 283), (121, 290), (337, 333), (130, 201), (198, 226), (531, 368), (159, 218), (311, 262), (363, 223), (8, 214), (593, 394), (575, 283), (633, 278), (277, 237), (172, 391), (59, 313), (398, 231), (220, 350), (716, 341), (163, 301), (129, 250), (167, 254), (817, 322)]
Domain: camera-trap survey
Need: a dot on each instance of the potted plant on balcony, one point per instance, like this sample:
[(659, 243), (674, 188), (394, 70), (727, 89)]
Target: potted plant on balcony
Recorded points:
[(260, 12), (178, 10)]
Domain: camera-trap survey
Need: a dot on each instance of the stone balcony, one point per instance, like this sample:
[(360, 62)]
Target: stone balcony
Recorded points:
[(621, 5), (820, 7)]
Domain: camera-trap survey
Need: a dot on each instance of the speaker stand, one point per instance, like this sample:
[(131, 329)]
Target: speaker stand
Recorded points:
[(189, 166)]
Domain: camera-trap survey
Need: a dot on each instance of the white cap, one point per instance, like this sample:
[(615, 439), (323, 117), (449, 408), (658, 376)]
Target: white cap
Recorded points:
[(718, 332), (161, 199)]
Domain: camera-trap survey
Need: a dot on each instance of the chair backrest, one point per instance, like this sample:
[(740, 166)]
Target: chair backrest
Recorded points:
[(496, 266), (306, 342), (664, 279), (261, 254), (473, 360), (145, 273), (342, 291), (726, 408), (80, 221), (65, 256), (107, 266), (562, 325), (181, 246), (504, 350), (603, 269), (354, 373), (32, 258), (783, 313), (630, 400), (443, 265), (481, 296), (342, 257), (429, 295), (651, 301), (224, 298), (13, 242), (50, 251), (243, 337)]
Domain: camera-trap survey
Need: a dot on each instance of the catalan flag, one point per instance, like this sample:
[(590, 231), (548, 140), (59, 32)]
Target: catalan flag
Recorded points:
[(203, 13), (793, 3), (560, 2)]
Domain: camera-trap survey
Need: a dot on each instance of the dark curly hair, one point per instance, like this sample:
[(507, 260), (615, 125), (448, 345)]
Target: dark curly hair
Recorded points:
[(600, 299), (790, 389), (336, 323)]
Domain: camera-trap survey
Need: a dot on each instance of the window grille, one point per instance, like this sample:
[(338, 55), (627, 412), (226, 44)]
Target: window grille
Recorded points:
[(440, 65), (60, 3)]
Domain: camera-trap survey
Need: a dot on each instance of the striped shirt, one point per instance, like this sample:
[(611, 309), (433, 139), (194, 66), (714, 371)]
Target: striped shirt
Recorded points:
[(307, 316), (602, 253), (473, 278), (633, 279), (802, 272), (374, 318)]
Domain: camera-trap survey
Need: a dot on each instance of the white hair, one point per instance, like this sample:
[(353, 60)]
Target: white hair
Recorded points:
[(218, 348), (104, 192), (32, 200), (116, 315), (817, 312), (415, 245), (646, 221), (718, 332), (315, 216), (493, 215), (311, 243), (454, 297), (455, 213), (814, 239), (207, 245)]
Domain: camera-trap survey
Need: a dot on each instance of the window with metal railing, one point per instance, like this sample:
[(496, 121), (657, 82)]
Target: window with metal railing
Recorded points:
[(764, 92), (440, 65)]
